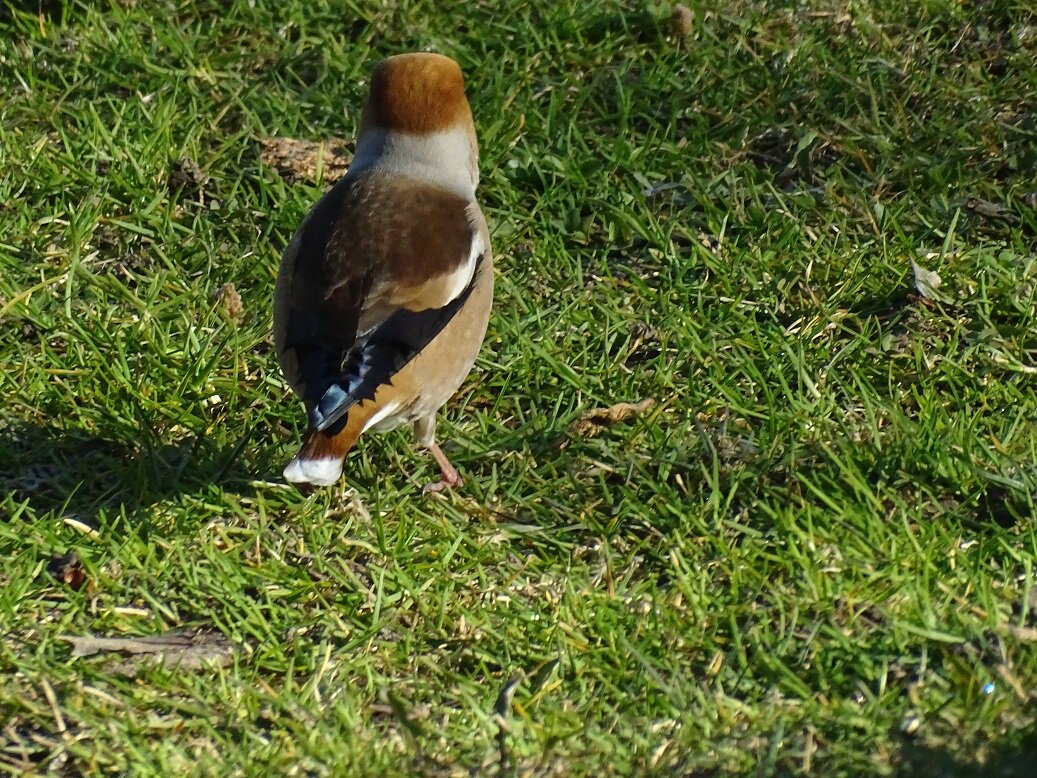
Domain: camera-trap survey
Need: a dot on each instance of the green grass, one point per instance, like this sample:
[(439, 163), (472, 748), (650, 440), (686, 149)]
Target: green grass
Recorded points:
[(813, 556)]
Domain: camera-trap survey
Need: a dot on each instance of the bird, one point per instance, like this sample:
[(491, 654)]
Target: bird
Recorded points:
[(384, 292)]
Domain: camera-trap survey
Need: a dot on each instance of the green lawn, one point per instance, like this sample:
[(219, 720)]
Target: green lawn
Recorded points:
[(813, 555)]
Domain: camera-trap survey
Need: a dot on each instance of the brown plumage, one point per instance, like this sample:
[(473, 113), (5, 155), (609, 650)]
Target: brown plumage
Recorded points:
[(418, 93), (384, 292)]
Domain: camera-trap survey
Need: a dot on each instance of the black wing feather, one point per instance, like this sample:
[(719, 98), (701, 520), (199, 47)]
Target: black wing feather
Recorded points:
[(376, 358)]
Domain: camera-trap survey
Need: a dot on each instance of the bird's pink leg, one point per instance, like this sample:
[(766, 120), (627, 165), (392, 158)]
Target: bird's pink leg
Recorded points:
[(448, 473)]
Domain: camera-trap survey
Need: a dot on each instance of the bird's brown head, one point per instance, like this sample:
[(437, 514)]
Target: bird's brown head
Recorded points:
[(417, 93)]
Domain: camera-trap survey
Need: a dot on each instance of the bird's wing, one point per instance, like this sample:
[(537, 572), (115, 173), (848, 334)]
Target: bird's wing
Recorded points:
[(373, 275)]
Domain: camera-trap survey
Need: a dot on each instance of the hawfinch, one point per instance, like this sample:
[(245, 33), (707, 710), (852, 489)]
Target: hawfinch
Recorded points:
[(384, 292)]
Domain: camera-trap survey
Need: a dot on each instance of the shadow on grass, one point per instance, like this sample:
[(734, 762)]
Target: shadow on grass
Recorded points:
[(82, 476), (1004, 760)]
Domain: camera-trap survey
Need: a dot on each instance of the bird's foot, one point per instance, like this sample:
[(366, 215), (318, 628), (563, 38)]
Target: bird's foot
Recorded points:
[(448, 473)]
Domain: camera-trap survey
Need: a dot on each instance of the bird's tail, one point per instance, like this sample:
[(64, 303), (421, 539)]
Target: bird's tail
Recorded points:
[(319, 461)]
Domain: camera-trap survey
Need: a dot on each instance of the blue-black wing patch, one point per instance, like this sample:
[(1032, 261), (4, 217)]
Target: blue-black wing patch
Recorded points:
[(376, 357)]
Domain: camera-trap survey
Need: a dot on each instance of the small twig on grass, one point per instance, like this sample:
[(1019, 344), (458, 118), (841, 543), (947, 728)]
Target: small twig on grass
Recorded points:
[(184, 650), (52, 700), (59, 758)]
